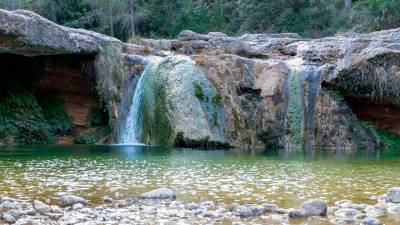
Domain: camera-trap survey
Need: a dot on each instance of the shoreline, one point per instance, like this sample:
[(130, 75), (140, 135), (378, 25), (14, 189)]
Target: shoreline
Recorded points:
[(160, 207)]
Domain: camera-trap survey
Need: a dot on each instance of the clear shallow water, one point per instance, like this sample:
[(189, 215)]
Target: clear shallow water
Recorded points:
[(222, 176)]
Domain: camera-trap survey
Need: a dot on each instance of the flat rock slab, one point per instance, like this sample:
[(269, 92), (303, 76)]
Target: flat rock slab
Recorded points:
[(160, 193)]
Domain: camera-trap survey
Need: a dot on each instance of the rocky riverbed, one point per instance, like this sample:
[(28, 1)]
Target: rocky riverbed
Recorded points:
[(160, 207)]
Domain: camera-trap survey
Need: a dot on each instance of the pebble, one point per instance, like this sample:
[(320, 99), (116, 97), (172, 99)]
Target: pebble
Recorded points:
[(168, 211)]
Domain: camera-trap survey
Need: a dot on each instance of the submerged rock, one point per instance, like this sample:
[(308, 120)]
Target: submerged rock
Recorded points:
[(314, 207), (370, 221), (347, 214), (70, 200), (160, 193), (393, 195), (375, 211), (394, 209)]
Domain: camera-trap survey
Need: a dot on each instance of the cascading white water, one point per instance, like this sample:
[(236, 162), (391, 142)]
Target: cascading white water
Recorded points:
[(131, 132)]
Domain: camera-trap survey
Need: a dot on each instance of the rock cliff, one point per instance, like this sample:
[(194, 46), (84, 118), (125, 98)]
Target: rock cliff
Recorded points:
[(250, 91)]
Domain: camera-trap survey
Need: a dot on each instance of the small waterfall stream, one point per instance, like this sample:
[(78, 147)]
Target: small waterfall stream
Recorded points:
[(131, 132), (302, 86)]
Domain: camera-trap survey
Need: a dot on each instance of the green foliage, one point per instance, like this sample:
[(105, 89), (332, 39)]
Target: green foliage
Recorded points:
[(216, 99), (205, 143), (165, 18), (25, 120), (198, 91), (93, 137), (98, 117), (270, 138), (215, 119), (54, 113), (386, 138)]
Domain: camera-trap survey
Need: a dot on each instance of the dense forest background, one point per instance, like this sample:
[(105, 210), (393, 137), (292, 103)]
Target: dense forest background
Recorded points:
[(166, 18)]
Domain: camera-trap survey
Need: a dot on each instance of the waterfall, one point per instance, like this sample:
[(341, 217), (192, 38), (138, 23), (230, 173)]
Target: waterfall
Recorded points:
[(294, 112), (303, 87), (131, 130)]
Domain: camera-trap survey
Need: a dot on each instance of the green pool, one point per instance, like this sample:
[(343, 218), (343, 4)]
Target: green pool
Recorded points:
[(286, 178)]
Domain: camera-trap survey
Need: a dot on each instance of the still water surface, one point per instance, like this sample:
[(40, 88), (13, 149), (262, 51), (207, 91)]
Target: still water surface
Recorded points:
[(222, 176)]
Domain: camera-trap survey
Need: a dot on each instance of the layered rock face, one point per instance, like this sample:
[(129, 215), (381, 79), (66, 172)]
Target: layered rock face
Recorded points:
[(251, 91), (280, 90)]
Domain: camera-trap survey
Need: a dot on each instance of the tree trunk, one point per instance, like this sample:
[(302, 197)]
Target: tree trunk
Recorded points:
[(132, 18), (347, 3), (110, 19)]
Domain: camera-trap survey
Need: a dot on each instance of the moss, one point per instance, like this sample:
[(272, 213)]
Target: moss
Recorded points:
[(157, 128), (93, 137), (386, 138), (216, 100), (98, 117), (270, 138), (215, 119), (198, 91), (54, 113), (205, 143), (23, 120)]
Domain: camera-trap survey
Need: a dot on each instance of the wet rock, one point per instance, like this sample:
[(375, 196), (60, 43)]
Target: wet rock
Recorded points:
[(343, 203), (281, 211), (9, 205), (314, 207), (8, 218), (70, 200), (209, 204), (16, 213), (283, 218), (243, 211), (370, 221), (375, 211), (160, 193), (56, 209), (394, 209), (295, 214), (41, 207), (3, 199), (359, 206), (393, 195), (257, 210), (361, 216), (108, 200), (209, 214), (192, 206), (269, 207), (347, 214)]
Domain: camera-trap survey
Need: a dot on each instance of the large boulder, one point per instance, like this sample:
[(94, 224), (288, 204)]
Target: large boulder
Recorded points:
[(26, 33)]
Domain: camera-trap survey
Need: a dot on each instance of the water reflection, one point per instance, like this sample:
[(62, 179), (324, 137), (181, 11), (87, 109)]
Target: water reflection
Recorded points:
[(223, 176)]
